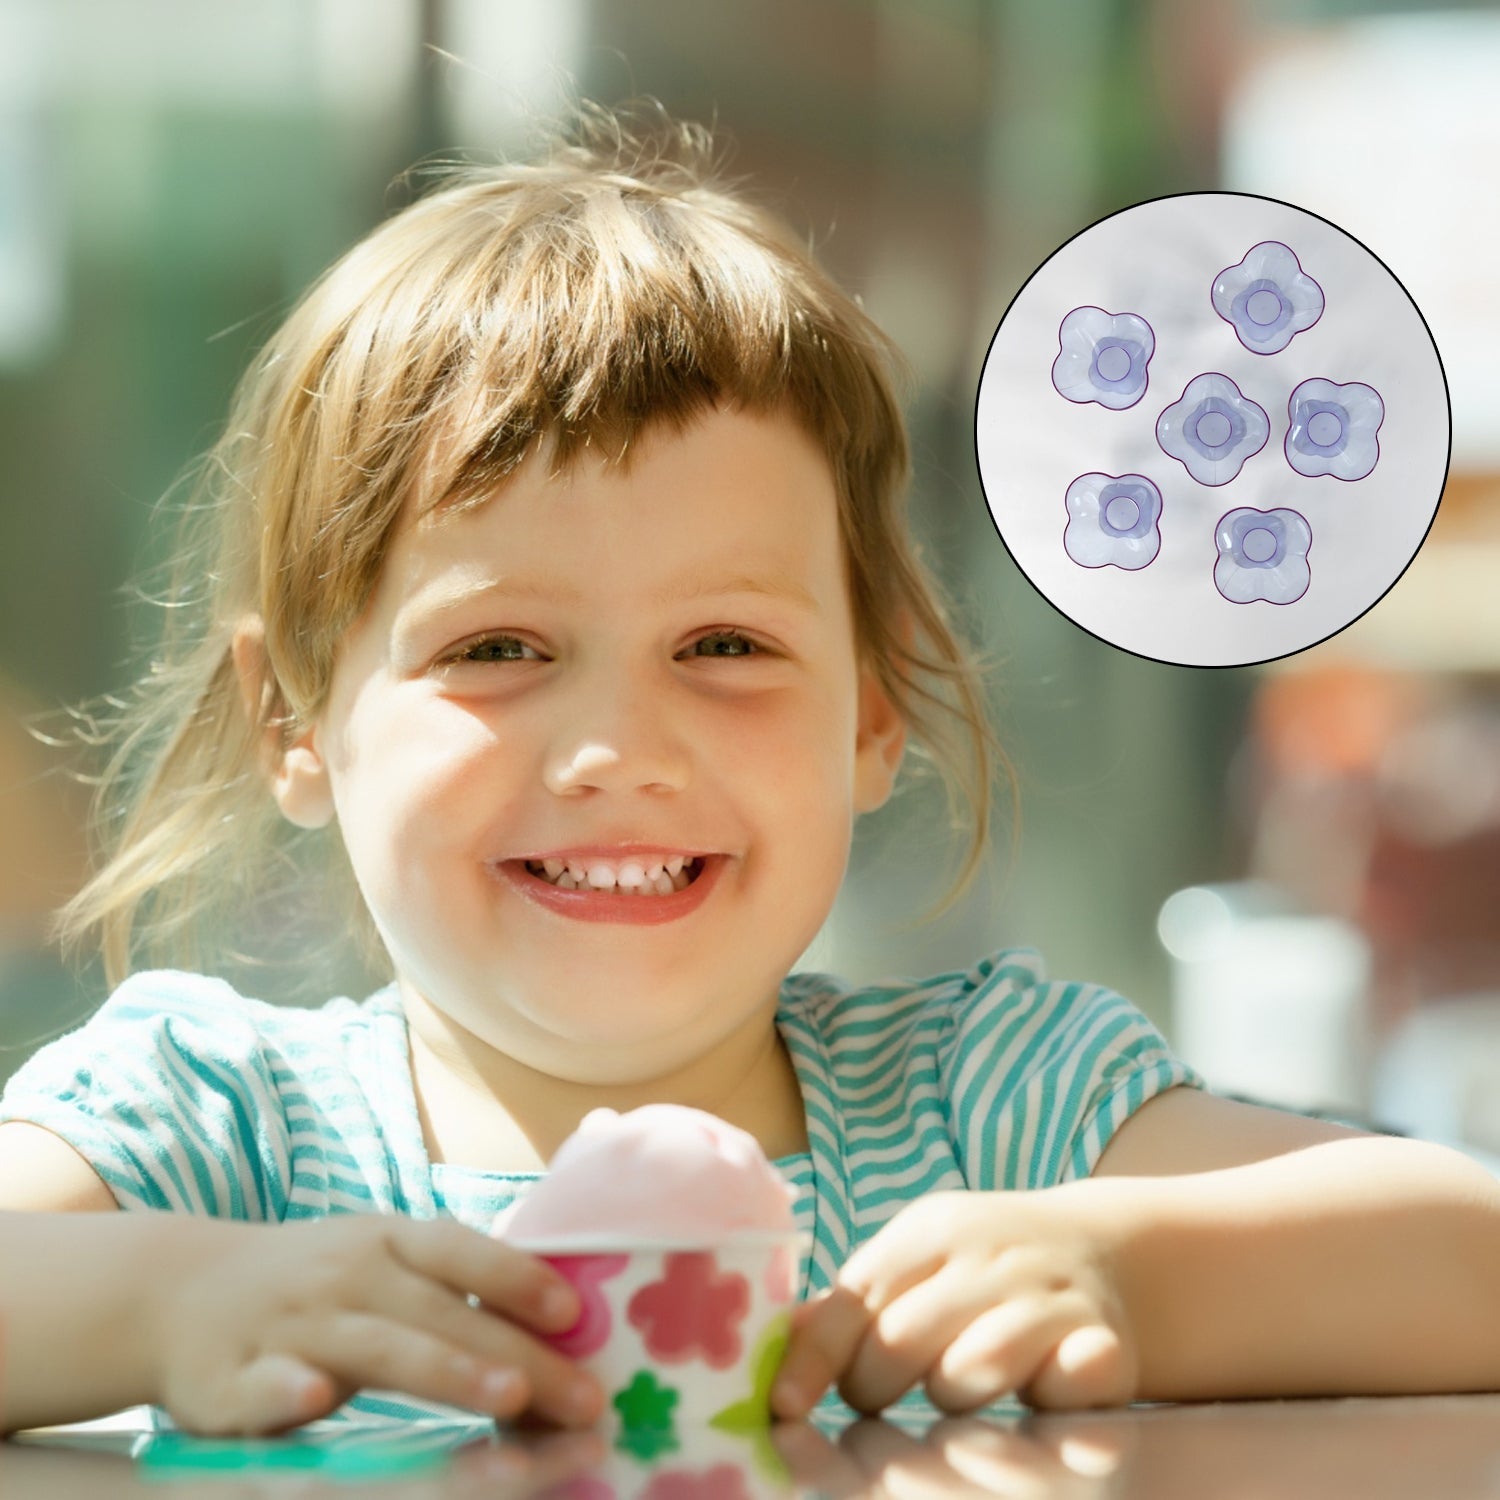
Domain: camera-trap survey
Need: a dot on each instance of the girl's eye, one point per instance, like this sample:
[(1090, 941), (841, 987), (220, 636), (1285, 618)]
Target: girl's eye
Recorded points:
[(493, 648), (731, 635), (478, 650)]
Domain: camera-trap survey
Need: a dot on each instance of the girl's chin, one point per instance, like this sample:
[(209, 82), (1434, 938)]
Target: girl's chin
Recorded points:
[(584, 998)]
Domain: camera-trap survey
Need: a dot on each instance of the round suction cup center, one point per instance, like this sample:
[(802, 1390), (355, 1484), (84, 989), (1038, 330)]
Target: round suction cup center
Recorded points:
[(1263, 307), (1258, 544), (1122, 512), (1325, 429), (1213, 429), (1114, 363)]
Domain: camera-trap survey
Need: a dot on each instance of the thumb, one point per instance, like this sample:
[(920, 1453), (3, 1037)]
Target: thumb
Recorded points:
[(804, 1310)]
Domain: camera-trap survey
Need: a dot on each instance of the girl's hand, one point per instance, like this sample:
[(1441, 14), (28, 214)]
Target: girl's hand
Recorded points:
[(260, 1328), (975, 1294)]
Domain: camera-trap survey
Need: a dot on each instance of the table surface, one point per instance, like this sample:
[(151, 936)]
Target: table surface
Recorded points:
[(1366, 1448)]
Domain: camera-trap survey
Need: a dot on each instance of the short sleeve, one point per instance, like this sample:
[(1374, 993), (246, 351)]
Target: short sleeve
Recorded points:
[(1039, 1073), (168, 1093)]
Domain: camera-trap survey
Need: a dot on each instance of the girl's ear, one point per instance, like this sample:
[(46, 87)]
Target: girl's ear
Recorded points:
[(878, 747), (296, 773), (880, 741)]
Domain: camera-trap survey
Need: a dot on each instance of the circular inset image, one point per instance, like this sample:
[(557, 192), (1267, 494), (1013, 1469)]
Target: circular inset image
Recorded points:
[(1183, 398)]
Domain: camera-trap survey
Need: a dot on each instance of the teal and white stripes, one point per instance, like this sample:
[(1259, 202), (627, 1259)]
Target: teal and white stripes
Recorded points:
[(189, 1097)]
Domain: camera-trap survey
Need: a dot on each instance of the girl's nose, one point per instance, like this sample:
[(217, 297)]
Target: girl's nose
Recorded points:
[(618, 745), (595, 763)]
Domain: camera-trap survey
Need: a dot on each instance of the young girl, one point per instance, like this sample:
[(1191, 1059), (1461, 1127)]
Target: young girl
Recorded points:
[(561, 588)]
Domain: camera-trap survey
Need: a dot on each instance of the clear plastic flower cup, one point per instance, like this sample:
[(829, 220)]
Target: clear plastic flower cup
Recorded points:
[(680, 1334)]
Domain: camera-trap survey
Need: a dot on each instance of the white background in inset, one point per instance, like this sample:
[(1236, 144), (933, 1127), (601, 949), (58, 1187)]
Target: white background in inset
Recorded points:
[(1160, 260)]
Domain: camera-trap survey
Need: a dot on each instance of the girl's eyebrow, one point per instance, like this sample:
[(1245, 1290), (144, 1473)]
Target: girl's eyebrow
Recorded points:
[(439, 600)]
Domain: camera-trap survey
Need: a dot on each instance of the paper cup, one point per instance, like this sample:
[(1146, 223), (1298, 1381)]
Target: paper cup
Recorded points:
[(679, 1335)]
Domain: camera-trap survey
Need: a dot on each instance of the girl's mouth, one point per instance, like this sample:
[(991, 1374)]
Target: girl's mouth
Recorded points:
[(648, 906), (641, 878)]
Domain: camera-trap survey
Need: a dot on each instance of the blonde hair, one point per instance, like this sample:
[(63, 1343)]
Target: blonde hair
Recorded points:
[(615, 282)]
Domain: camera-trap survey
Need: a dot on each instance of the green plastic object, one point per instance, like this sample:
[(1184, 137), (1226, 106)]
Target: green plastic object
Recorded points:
[(177, 1453)]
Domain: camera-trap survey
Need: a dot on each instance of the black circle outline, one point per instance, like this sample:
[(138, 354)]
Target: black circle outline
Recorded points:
[(1442, 375)]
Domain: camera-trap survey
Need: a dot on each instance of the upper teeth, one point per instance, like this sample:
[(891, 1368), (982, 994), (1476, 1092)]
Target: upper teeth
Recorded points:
[(659, 875)]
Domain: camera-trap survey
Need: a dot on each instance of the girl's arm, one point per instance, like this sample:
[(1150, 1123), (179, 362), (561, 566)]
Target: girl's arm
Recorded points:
[(75, 1309), (1361, 1267), (1368, 1266)]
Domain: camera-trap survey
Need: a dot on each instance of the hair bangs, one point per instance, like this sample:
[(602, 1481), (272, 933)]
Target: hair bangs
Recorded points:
[(614, 311)]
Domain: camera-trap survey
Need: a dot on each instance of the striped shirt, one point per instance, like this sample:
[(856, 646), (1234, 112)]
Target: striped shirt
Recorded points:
[(186, 1096)]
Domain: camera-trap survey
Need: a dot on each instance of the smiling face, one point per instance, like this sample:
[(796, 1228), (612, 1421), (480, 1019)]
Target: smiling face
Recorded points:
[(658, 655)]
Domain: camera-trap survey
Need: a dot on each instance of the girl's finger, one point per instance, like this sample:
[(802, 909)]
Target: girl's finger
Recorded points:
[(1089, 1367), (276, 1392), (268, 1394), (369, 1351), (907, 1250), (515, 1284), (905, 1339), (503, 1277), (1000, 1351), (489, 1339), (822, 1344)]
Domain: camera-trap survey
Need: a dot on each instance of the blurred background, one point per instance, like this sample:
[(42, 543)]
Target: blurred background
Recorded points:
[(1294, 869)]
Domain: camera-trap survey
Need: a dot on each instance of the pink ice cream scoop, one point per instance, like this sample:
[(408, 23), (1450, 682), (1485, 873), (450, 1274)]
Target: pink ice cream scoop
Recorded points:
[(663, 1172)]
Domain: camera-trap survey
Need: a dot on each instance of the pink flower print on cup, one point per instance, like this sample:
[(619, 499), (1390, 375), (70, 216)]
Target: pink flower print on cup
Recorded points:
[(692, 1312), (781, 1275), (591, 1332)]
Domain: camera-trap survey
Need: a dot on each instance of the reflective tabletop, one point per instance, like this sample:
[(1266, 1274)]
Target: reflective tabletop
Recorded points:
[(1433, 1447)]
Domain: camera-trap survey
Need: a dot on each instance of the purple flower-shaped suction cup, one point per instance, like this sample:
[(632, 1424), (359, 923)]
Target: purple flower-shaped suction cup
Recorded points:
[(1212, 429), (1268, 298), (1333, 429), (1112, 521), (1103, 357), (1262, 555)]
